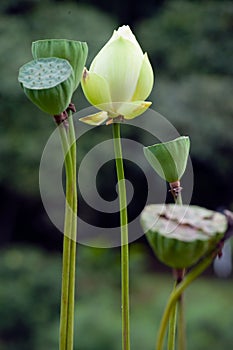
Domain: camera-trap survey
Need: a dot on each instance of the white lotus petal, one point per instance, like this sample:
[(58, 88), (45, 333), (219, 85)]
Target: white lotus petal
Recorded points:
[(126, 33), (131, 110), (96, 90), (145, 81), (120, 65), (95, 119)]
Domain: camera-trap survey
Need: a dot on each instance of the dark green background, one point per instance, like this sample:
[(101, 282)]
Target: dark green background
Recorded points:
[(189, 45)]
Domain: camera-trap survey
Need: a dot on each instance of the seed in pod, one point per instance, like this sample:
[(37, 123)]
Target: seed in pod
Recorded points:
[(48, 83)]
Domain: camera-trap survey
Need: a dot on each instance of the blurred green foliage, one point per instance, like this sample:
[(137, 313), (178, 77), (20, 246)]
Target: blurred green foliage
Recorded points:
[(200, 106), (190, 36), (189, 45), (24, 129), (30, 296)]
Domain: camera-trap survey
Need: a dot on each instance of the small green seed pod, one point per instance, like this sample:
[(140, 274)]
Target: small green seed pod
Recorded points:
[(169, 159), (48, 83), (75, 52), (181, 235)]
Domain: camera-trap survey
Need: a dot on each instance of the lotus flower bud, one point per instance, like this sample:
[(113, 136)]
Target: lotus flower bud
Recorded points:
[(119, 79)]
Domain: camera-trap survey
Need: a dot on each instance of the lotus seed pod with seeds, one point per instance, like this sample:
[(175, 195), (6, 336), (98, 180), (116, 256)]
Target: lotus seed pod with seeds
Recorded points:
[(75, 52), (48, 83), (182, 235), (169, 159)]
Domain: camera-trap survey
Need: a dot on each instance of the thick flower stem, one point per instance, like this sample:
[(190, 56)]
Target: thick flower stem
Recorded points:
[(124, 238), (71, 305), (69, 242)]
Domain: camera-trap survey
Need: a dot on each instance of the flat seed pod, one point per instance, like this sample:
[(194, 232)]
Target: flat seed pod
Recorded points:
[(48, 83), (179, 234), (75, 52)]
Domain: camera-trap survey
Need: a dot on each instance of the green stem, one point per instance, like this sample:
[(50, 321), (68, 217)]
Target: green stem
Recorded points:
[(181, 324), (69, 242), (176, 293), (64, 293), (173, 313), (178, 199), (180, 302), (172, 328), (66, 242), (71, 304), (124, 237)]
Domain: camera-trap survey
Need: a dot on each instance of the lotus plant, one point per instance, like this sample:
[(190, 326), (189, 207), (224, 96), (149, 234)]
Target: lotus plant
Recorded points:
[(117, 83), (49, 81), (181, 236)]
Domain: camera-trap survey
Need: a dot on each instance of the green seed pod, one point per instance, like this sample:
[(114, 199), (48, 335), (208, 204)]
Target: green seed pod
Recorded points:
[(48, 83), (75, 52), (181, 235), (169, 159)]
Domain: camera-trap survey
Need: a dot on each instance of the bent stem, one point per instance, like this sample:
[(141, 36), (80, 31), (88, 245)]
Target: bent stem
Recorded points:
[(177, 292), (173, 324), (124, 237), (69, 242)]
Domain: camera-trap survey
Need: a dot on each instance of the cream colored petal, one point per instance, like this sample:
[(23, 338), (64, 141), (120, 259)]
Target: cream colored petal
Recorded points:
[(95, 119), (131, 110), (145, 81), (126, 33), (120, 65), (123, 32), (96, 90)]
